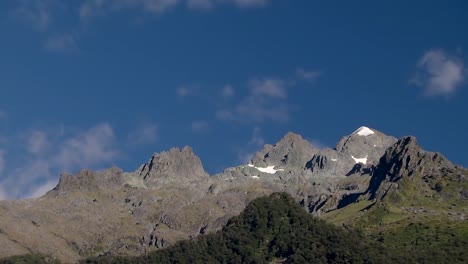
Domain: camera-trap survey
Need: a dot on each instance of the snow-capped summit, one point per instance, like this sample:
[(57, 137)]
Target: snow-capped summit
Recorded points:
[(363, 131)]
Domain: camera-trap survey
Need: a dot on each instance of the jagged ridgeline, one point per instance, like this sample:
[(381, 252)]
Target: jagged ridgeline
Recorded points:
[(398, 194), (273, 229)]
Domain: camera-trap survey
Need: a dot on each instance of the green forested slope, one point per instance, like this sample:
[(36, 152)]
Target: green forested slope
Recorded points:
[(271, 229)]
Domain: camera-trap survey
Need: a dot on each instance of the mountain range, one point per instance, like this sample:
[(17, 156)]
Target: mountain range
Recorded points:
[(369, 181)]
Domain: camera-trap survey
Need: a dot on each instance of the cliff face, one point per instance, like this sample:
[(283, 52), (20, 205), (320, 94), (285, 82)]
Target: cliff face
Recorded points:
[(171, 197)]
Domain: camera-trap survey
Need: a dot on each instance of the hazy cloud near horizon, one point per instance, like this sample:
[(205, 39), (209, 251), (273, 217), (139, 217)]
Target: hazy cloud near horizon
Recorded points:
[(46, 154)]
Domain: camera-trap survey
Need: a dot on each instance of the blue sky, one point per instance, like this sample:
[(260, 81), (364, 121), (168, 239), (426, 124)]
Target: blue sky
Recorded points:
[(97, 83)]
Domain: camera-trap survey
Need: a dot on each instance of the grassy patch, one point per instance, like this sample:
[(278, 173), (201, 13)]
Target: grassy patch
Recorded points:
[(348, 213)]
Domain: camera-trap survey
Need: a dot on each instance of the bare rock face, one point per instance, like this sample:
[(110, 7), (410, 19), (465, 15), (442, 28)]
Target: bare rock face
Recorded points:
[(291, 151), (171, 197), (365, 145), (89, 181), (175, 166), (407, 160), (354, 154)]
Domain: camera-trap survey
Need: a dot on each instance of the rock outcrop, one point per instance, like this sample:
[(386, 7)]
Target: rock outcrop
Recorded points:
[(291, 151), (177, 166)]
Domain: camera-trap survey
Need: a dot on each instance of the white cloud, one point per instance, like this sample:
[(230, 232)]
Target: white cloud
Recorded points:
[(257, 138), (49, 153), (62, 43), (200, 4), (36, 13), (227, 91), (200, 126), (184, 91), (22, 181), (260, 109), (43, 189), (266, 101), (37, 142), (255, 143), (439, 73), (158, 6), (3, 195), (88, 148), (308, 75), (92, 8), (268, 87), (249, 3), (145, 134), (317, 143), (2, 161)]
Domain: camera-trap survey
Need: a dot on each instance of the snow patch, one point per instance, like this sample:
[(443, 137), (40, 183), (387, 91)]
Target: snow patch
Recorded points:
[(269, 169), (255, 177), (360, 160), (363, 131), (334, 159)]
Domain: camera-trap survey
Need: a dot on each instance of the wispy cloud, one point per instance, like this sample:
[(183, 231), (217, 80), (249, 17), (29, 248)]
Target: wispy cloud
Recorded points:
[(439, 73), (266, 101), (3, 195), (43, 189), (200, 126), (147, 133), (92, 8), (37, 14), (184, 91), (255, 143), (249, 3), (273, 88), (37, 142), (257, 138), (308, 75), (317, 143), (45, 15), (227, 91), (3, 115), (200, 4), (2, 161), (210, 4), (62, 43), (33, 174), (88, 148)]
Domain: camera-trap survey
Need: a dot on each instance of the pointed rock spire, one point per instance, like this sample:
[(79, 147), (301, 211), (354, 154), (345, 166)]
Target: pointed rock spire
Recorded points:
[(176, 165), (292, 150), (365, 144), (406, 159)]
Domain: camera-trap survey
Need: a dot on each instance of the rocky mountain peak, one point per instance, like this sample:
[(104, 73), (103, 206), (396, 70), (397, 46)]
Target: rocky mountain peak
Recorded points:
[(291, 137), (404, 159), (365, 145), (291, 151), (175, 165), (89, 181)]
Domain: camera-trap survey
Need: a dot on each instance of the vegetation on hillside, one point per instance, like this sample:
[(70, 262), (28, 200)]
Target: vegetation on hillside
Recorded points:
[(276, 229), (30, 259), (271, 229)]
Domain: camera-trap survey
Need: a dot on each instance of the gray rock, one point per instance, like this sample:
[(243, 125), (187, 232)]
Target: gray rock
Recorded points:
[(291, 151), (175, 166)]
